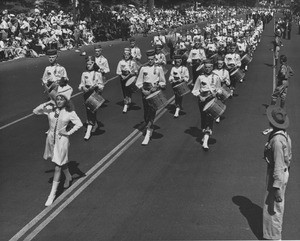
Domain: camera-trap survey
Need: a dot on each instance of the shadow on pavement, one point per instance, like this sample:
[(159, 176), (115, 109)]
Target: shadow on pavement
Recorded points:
[(252, 212)]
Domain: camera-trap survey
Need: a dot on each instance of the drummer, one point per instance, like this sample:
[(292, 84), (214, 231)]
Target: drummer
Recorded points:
[(91, 82), (151, 78), (196, 57), (160, 57), (126, 69), (206, 87), (101, 61), (135, 52), (233, 62), (243, 50), (223, 74), (179, 73), (54, 71)]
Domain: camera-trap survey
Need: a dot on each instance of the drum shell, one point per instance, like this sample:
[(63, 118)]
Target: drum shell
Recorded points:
[(226, 92), (215, 108), (181, 89), (156, 100), (237, 75), (246, 59), (94, 101), (130, 84)]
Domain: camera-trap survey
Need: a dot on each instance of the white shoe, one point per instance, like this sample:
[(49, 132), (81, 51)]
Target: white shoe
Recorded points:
[(205, 146), (176, 112), (87, 136), (146, 140), (147, 137), (50, 200), (125, 108), (218, 120)]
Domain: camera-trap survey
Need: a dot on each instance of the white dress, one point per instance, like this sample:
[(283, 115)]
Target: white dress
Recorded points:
[(57, 146)]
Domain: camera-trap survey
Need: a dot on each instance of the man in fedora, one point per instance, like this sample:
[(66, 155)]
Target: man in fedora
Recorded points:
[(277, 153)]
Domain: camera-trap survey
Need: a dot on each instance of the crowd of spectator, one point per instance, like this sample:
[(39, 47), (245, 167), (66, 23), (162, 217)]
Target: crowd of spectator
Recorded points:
[(32, 34)]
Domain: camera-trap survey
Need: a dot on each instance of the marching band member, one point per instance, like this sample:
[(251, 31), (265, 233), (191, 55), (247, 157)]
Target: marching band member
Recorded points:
[(54, 71), (101, 61), (242, 49), (150, 79), (57, 142), (135, 52), (91, 81), (232, 62), (160, 58), (223, 75), (178, 74), (126, 69), (196, 57), (206, 87)]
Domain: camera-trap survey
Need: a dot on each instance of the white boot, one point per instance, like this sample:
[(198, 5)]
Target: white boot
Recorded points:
[(125, 108), (147, 137), (52, 194), (205, 142), (177, 112), (218, 120), (88, 132)]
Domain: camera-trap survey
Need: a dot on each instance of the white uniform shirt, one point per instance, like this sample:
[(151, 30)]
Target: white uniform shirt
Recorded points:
[(54, 73), (151, 74), (102, 62), (179, 74)]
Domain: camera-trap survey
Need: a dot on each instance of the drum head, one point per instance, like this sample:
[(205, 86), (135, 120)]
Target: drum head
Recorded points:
[(208, 105), (153, 94), (130, 81)]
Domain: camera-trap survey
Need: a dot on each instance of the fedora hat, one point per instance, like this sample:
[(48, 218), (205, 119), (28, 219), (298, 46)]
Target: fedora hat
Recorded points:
[(277, 117)]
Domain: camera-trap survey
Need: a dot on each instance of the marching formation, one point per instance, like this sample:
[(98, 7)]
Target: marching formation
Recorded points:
[(218, 56)]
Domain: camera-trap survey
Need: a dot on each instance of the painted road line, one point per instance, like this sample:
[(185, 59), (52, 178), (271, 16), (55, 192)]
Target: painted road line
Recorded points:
[(47, 210), (41, 226)]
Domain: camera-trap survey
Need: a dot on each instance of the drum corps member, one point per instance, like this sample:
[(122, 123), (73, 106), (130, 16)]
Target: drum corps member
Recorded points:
[(54, 71), (135, 52), (233, 63), (91, 82), (151, 78), (206, 87), (223, 75), (196, 57), (57, 142), (126, 69), (178, 75), (102, 62)]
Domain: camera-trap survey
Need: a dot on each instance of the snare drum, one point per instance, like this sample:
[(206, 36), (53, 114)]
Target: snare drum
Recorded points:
[(226, 93), (181, 89), (94, 101), (215, 108), (156, 100), (237, 75), (246, 59), (130, 84)]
